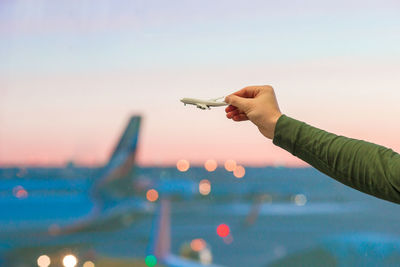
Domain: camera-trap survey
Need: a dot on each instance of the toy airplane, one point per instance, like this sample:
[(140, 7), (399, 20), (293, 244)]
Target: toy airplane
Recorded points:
[(203, 104)]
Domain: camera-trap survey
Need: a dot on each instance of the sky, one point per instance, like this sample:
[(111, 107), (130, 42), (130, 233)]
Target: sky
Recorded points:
[(73, 72)]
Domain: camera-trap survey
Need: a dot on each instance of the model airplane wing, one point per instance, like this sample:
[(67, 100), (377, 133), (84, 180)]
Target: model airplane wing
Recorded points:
[(202, 106)]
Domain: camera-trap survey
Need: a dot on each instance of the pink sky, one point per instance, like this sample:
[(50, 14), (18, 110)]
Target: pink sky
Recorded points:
[(43, 128)]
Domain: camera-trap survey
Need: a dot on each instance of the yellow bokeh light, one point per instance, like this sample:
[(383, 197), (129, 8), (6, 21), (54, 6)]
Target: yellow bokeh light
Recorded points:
[(88, 264), (70, 261), (204, 187), (210, 165), (198, 244), (239, 171), (230, 165), (152, 195), (183, 165), (43, 261)]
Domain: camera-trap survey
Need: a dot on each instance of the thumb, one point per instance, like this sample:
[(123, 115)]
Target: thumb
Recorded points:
[(237, 101)]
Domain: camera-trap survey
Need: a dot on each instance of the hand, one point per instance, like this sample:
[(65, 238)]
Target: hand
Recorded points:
[(257, 104)]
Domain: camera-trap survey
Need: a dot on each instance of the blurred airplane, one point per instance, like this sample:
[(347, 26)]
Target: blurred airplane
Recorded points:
[(48, 212), (203, 104), (57, 215)]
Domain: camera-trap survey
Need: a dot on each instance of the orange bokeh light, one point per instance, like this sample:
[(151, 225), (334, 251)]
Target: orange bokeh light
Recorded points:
[(152, 195), (204, 187), (239, 171), (210, 165), (230, 165), (183, 165), (198, 244)]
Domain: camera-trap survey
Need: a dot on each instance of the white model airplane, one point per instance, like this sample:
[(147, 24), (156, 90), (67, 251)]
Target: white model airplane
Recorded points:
[(203, 104)]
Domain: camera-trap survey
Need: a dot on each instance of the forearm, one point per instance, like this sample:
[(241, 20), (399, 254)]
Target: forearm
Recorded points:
[(365, 166)]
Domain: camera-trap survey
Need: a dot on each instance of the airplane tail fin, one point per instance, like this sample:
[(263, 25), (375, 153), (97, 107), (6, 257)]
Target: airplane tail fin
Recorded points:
[(115, 179), (160, 240), (128, 141)]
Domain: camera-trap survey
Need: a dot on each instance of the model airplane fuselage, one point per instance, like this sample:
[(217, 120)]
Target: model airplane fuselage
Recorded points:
[(203, 104)]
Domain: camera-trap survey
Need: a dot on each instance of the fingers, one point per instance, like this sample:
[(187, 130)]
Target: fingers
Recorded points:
[(240, 117), (240, 99), (237, 101), (235, 112), (230, 108), (236, 115)]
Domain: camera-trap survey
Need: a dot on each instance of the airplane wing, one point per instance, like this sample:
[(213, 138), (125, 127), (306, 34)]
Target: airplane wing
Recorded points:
[(202, 106)]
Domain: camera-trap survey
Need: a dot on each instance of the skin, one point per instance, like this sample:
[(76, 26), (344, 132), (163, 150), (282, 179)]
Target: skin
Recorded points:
[(257, 104)]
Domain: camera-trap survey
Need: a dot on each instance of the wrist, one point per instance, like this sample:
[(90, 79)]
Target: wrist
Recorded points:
[(274, 123)]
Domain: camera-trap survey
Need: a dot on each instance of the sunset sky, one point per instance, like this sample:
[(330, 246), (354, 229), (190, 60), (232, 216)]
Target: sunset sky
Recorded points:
[(73, 72)]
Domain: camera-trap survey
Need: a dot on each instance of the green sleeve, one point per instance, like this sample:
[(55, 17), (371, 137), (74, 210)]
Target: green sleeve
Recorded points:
[(370, 168)]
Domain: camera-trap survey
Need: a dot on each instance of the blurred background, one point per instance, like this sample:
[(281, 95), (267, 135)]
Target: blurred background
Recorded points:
[(100, 164)]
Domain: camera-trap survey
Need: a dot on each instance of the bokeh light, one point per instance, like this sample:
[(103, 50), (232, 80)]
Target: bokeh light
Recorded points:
[(204, 187), (230, 165), (210, 165), (20, 192), (205, 256), (152, 195), (43, 261), (70, 261), (183, 165), (198, 244), (88, 264), (228, 239), (300, 199), (150, 260), (223, 230), (239, 171)]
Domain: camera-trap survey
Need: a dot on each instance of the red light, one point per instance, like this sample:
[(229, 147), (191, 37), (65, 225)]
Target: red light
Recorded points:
[(223, 230)]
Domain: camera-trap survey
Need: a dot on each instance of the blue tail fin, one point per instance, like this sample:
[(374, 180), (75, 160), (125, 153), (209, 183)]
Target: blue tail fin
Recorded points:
[(127, 143), (116, 179)]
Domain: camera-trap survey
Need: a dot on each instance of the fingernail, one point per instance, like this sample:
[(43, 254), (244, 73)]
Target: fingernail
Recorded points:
[(227, 99)]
